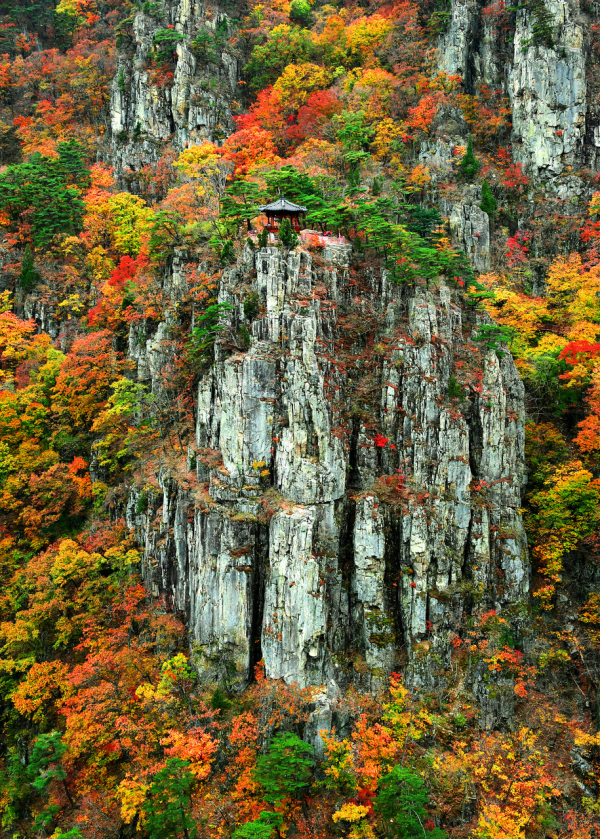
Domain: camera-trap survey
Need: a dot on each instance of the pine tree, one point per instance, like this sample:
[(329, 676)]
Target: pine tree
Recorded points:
[(47, 192), (240, 203), (287, 236), (488, 202), (300, 12), (401, 801), (166, 809), (44, 767), (263, 828), (286, 768), (207, 326), (469, 165), (29, 277), (227, 254)]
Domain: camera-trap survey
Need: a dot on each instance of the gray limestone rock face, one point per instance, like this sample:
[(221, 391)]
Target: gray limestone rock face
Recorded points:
[(224, 555), (148, 110), (295, 611), (470, 229), (250, 389), (345, 507), (437, 156), (455, 45), (310, 465), (541, 69), (372, 619), (151, 351), (547, 89), (496, 698)]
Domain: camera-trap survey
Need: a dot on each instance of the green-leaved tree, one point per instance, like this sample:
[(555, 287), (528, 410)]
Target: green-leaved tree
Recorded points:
[(240, 204), (45, 192), (166, 809), (29, 277), (262, 828), (300, 12), (285, 771), (488, 202), (469, 165), (287, 236), (205, 331), (401, 802), (44, 767)]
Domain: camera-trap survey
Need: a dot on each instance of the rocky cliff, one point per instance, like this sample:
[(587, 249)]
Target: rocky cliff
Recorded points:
[(175, 92), (357, 483), (541, 59), (542, 56)]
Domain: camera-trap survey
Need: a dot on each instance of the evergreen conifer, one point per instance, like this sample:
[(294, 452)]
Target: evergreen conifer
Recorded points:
[(300, 12), (166, 809), (29, 277), (469, 165), (401, 801), (287, 236), (488, 202), (286, 768)]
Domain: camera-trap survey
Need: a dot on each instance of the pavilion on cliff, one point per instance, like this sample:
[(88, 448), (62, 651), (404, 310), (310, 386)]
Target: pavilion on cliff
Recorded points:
[(280, 209)]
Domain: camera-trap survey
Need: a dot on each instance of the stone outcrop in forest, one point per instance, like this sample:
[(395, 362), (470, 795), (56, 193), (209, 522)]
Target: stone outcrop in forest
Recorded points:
[(305, 538), (174, 83), (359, 475), (540, 54)]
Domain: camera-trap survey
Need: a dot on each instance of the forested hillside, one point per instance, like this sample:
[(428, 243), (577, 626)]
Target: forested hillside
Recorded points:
[(300, 529)]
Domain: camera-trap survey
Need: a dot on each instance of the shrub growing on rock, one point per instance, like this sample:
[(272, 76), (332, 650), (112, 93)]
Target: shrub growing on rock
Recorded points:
[(469, 165)]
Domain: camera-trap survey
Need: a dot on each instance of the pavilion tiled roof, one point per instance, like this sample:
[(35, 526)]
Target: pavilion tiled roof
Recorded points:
[(282, 205)]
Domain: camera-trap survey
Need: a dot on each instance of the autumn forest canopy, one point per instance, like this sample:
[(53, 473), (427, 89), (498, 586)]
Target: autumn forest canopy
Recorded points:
[(299, 531)]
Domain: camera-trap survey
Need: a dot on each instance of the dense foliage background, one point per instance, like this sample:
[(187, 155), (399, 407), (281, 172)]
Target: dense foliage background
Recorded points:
[(106, 731)]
